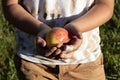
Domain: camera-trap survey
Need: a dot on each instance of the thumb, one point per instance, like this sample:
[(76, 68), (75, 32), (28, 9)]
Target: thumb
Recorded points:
[(41, 42)]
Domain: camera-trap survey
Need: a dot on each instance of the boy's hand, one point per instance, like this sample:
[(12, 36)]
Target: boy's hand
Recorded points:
[(76, 40), (41, 43), (67, 50), (42, 49)]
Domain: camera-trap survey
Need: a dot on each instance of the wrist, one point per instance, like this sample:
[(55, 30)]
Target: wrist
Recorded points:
[(43, 29), (73, 30)]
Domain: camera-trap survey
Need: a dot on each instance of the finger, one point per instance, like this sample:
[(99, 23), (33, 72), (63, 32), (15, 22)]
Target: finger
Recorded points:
[(69, 48), (50, 51), (57, 52), (65, 55), (41, 42), (75, 42), (59, 45), (62, 55)]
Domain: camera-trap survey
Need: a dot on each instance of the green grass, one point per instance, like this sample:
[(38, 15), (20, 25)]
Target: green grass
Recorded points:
[(7, 50), (110, 37), (110, 43)]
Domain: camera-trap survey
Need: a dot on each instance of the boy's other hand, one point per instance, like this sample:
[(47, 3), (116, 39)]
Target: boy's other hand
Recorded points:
[(76, 40)]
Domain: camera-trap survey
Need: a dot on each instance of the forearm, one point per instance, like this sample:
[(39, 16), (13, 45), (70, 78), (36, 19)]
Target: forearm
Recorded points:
[(96, 16), (21, 19)]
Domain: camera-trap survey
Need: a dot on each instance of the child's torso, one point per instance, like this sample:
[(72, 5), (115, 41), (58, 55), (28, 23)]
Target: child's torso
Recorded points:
[(57, 13)]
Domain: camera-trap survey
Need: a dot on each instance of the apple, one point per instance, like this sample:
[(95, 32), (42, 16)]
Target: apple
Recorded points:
[(57, 36)]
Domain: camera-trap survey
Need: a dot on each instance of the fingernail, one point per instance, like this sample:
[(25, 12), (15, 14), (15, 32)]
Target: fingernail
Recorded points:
[(59, 45)]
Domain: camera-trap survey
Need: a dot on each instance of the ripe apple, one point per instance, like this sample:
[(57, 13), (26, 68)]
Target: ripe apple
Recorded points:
[(57, 36)]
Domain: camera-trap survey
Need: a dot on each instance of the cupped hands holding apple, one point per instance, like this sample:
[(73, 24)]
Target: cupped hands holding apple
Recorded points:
[(59, 42), (67, 50)]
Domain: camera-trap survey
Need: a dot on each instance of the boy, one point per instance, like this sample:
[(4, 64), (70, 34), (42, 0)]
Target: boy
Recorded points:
[(81, 59)]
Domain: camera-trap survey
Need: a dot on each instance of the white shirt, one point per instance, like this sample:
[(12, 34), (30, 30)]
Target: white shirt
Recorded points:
[(57, 13)]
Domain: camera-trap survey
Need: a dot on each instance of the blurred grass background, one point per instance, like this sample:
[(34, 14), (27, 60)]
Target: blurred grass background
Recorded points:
[(110, 43)]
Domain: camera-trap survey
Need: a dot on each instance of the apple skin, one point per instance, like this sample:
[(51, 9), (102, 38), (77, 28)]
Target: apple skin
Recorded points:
[(57, 36)]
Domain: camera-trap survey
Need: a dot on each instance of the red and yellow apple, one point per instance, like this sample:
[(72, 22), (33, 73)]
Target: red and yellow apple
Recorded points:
[(57, 36)]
